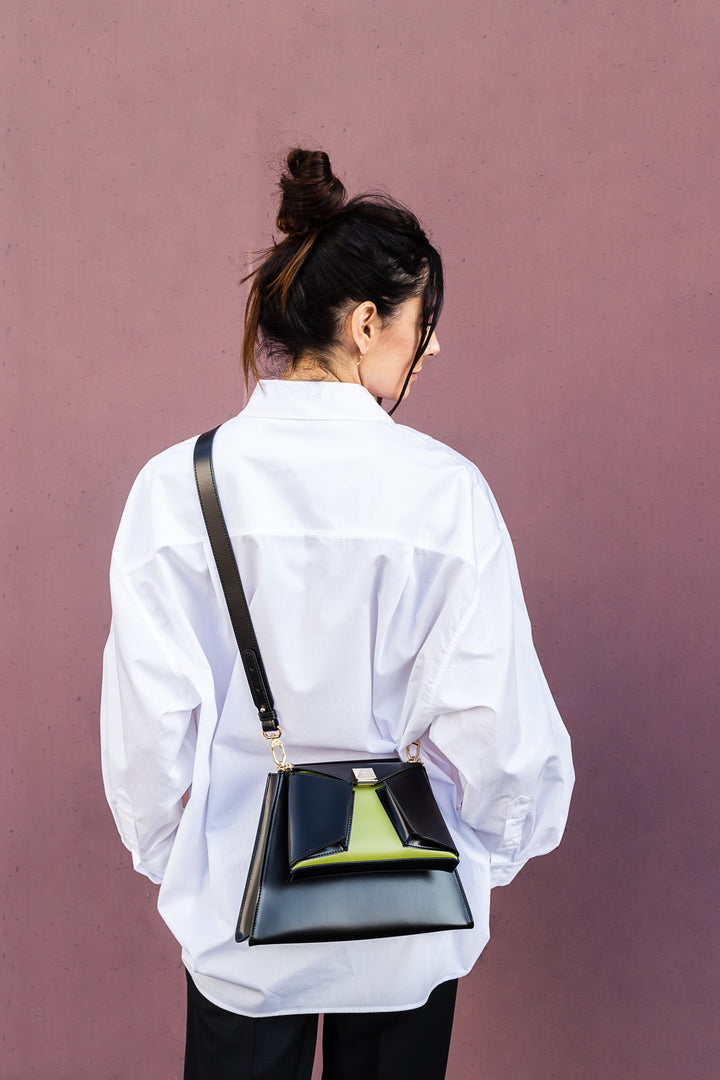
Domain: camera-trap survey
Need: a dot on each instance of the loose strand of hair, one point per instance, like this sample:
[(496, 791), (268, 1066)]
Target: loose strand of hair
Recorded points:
[(285, 279), (434, 286), (250, 333), (283, 282)]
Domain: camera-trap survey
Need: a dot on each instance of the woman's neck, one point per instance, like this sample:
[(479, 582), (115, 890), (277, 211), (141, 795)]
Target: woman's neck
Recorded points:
[(308, 369)]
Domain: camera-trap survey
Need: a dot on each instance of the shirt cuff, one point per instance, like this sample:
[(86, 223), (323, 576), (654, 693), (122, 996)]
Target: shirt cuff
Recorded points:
[(505, 862)]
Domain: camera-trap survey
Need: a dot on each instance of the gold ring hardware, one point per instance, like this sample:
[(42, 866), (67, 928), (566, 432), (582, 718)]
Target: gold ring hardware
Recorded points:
[(281, 762), (276, 745), (415, 756)]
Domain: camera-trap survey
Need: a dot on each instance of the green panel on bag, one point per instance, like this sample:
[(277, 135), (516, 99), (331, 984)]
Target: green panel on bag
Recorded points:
[(372, 836)]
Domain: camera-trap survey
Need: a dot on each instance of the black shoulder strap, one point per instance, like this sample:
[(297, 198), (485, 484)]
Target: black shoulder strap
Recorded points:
[(231, 584)]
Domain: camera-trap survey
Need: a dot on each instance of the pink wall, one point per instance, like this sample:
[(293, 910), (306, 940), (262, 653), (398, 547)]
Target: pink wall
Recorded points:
[(566, 158)]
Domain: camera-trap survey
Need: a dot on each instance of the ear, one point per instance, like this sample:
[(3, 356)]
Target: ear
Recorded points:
[(363, 324)]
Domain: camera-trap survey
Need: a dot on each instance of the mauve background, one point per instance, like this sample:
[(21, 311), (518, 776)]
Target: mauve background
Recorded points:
[(565, 157)]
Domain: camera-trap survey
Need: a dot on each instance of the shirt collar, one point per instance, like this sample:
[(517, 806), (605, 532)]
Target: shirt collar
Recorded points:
[(289, 399)]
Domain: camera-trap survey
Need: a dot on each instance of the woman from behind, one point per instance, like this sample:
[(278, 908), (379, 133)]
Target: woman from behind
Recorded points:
[(386, 601)]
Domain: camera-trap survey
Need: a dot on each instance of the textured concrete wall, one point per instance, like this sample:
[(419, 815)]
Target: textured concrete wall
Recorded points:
[(565, 156)]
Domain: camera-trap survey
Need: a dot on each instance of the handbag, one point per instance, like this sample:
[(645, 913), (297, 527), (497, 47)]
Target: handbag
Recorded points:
[(344, 850)]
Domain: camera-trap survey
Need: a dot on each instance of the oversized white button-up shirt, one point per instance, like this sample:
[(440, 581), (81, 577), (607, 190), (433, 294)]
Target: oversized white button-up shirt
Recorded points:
[(385, 597)]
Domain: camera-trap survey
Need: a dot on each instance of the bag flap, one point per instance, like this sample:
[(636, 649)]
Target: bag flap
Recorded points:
[(319, 814), (410, 804)]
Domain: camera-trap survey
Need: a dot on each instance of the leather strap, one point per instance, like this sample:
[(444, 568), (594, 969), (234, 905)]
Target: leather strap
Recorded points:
[(231, 584)]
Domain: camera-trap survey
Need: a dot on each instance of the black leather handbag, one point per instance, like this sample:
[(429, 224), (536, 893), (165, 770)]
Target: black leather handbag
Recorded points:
[(344, 850)]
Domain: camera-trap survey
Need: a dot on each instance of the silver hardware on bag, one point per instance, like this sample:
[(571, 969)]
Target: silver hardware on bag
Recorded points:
[(365, 776)]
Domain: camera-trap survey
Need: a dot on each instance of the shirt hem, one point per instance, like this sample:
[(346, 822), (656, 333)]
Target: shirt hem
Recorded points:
[(201, 981)]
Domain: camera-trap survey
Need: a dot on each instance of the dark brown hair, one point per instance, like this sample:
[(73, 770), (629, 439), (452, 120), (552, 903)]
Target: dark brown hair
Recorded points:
[(336, 252)]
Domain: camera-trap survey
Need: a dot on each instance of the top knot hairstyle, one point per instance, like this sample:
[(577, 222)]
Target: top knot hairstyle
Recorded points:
[(310, 193), (336, 254)]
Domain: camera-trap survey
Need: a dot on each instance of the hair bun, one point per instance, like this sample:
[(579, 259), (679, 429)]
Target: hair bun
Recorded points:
[(310, 192)]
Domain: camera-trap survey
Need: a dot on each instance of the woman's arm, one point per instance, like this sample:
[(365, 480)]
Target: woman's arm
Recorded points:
[(147, 730), (495, 721)]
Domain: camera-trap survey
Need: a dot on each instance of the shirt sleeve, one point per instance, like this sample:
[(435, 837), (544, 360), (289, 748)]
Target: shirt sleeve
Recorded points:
[(150, 697), (495, 720), (147, 731)]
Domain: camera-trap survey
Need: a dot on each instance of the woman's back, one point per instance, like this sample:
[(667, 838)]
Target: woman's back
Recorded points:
[(360, 544)]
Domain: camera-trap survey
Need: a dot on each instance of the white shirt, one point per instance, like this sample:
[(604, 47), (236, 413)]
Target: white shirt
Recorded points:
[(385, 597)]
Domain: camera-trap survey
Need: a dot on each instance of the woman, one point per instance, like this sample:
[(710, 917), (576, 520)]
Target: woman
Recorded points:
[(385, 598)]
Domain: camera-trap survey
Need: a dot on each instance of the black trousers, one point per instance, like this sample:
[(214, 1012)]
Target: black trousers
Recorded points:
[(409, 1045)]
